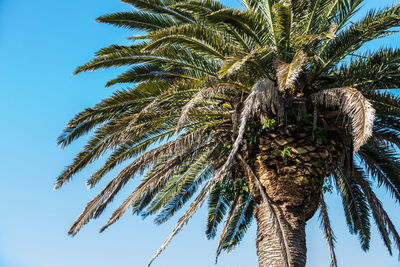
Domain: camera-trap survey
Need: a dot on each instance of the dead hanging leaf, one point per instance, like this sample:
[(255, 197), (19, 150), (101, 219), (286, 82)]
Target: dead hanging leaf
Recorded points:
[(353, 104)]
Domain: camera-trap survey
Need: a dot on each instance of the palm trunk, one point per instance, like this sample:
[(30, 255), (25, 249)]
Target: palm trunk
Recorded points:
[(290, 164), (279, 245)]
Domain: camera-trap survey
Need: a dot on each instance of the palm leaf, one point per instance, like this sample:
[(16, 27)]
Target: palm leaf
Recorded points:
[(355, 106), (157, 7), (375, 205), (218, 204), (141, 21), (287, 74), (240, 224), (356, 208), (325, 224)]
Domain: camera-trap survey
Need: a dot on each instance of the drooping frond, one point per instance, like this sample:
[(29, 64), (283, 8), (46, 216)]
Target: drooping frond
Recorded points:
[(384, 224), (240, 224), (162, 177), (325, 224), (235, 206), (356, 207), (196, 204), (180, 187), (383, 165), (353, 104), (218, 204)]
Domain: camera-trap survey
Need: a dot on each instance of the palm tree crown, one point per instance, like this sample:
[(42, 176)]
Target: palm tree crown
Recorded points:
[(211, 85)]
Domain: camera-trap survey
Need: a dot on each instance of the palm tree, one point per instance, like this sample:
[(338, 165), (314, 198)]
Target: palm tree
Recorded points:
[(263, 110)]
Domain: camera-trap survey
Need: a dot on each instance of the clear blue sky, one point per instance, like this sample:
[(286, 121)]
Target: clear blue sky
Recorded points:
[(41, 42)]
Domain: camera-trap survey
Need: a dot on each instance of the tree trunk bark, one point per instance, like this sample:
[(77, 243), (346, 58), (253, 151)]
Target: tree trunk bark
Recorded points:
[(279, 243)]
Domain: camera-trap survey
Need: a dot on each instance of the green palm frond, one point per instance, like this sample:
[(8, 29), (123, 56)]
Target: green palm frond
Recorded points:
[(195, 205), (115, 56), (147, 63), (186, 192), (238, 63), (234, 209), (248, 26), (141, 21), (357, 210), (122, 103), (158, 7), (283, 24), (315, 10), (241, 222), (390, 123), (198, 37), (372, 70), (384, 223), (264, 11), (387, 104), (344, 11), (384, 165), (375, 24), (127, 151), (200, 73), (218, 204), (325, 224), (155, 72), (197, 8), (387, 136), (185, 175)]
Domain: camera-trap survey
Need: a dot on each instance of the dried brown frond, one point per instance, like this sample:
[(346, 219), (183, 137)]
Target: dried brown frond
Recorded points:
[(353, 104)]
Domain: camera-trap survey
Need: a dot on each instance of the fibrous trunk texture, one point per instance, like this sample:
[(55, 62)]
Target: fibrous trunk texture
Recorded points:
[(284, 249), (292, 182), (291, 165)]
